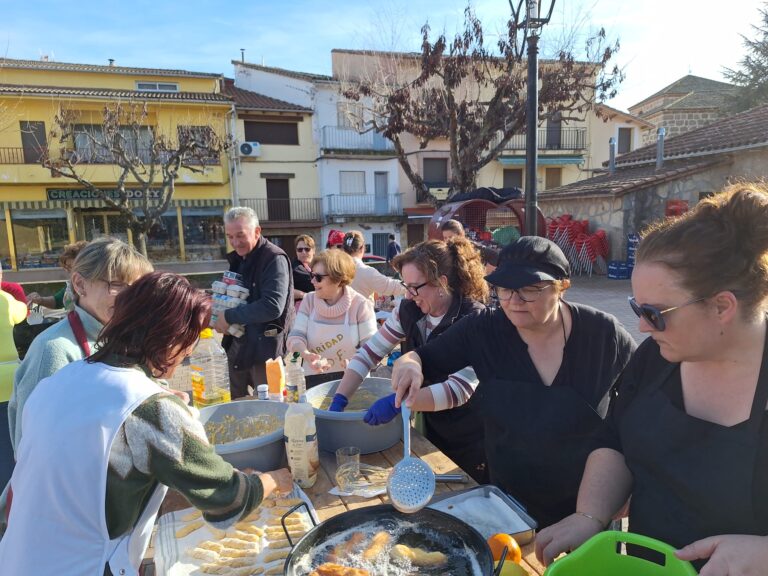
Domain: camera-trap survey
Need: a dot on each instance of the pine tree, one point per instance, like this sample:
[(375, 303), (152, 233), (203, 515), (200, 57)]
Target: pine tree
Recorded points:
[(752, 76)]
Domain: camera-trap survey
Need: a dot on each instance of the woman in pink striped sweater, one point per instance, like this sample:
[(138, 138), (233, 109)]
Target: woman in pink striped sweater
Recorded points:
[(333, 321)]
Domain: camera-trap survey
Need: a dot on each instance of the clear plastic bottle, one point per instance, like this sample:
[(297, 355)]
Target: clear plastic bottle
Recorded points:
[(295, 382), (301, 443), (210, 372)]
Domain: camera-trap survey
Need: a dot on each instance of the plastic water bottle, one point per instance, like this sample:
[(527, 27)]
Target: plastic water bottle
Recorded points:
[(210, 372), (295, 382), (301, 443)]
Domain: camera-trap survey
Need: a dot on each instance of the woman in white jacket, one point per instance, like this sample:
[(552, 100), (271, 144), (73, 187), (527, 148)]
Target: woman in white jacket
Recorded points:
[(367, 279)]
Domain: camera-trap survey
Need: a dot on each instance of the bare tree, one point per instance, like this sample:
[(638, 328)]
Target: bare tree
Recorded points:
[(148, 162), (474, 96)]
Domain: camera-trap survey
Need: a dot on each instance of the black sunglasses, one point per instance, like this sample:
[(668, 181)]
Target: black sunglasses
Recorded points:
[(413, 290), (303, 249), (653, 315), (317, 277)]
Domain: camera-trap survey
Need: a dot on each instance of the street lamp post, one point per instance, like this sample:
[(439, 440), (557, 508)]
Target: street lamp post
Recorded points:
[(533, 23)]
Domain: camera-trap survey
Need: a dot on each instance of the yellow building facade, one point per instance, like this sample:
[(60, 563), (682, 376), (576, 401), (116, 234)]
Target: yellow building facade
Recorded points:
[(42, 212)]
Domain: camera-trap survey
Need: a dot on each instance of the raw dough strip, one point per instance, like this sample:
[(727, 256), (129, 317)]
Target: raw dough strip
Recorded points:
[(188, 529), (273, 555), (194, 515), (203, 554)]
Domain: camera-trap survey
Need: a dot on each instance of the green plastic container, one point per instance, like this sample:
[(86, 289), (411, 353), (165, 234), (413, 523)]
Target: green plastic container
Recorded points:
[(598, 556)]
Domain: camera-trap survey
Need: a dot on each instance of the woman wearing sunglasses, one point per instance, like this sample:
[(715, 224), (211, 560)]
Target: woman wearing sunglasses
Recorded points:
[(333, 321), (302, 283), (687, 434), (545, 367), (443, 282)]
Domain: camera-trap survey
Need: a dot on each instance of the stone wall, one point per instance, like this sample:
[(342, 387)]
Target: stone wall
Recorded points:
[(634, 211), (678, 122)]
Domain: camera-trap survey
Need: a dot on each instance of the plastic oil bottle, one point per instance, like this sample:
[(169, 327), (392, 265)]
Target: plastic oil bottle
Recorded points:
[(210, 372), (295, 382), (301, 443)]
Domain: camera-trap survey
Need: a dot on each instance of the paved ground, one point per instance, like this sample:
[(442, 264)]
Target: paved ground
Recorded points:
[(609, 296)]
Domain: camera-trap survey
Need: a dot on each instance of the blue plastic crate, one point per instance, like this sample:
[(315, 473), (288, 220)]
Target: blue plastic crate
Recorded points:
[(618, 270)]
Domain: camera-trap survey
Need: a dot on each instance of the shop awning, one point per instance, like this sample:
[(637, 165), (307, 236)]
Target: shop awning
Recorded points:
[(94, 203)]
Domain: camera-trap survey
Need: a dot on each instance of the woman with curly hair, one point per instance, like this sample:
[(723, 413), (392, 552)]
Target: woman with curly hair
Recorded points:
[(90, 478), (545, 366), (443, 283)]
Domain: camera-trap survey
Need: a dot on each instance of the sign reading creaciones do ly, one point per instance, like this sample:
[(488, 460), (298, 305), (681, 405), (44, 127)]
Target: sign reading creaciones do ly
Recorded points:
[(68, 194)]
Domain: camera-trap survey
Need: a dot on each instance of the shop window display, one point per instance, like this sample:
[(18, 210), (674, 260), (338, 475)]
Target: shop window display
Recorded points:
[(204, 237), (163, 239), (40, 237)]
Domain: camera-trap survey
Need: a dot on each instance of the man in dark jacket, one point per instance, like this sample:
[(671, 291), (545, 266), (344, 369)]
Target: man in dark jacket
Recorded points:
[(269, 312)]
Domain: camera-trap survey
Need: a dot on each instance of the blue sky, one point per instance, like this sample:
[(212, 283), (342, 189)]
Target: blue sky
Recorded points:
[(662, 40)]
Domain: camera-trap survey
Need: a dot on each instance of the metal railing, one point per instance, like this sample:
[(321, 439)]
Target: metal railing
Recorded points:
[(552, 139), (339, 138), (362, 205), (18, 155), (285, 209), (102, 156)]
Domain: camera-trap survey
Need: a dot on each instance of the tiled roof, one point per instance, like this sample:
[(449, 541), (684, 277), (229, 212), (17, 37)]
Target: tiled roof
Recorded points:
[(111, 93), (628, 179), (309, 77), (746, 129), (245, 99), (686, 84), (608, 111), (105, 69)]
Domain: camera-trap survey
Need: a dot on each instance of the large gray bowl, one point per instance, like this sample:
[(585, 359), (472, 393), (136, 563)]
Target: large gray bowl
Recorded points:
[(264, 453), (337, 429)]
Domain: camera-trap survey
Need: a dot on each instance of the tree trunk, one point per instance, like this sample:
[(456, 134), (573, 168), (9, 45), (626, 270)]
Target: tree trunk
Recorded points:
[(142, 238)]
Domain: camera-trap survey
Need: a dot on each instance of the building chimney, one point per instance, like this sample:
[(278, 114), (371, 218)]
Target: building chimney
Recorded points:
[(660, 147), (611, 155), (242, 54), (111, 61)]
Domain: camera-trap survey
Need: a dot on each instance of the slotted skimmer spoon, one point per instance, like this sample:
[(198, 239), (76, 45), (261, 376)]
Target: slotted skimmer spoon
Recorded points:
[(411, 484)]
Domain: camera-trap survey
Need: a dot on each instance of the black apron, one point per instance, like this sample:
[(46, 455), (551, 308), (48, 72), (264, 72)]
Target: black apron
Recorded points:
[(458, 434), (537, 439), (692, 478)]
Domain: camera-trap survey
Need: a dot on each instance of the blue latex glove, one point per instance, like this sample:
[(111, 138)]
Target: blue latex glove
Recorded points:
[(339, 403), (382, 411)]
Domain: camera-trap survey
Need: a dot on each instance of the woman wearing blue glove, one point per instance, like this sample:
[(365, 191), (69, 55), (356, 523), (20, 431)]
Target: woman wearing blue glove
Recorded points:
[(444, 282)]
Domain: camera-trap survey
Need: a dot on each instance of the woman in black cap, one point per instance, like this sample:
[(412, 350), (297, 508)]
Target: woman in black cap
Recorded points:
[(545, 367)]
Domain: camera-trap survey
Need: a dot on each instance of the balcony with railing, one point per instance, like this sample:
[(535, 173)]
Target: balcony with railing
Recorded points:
[(335, 205), (284, 210), (19, 155), (552, 139), (337, 139)]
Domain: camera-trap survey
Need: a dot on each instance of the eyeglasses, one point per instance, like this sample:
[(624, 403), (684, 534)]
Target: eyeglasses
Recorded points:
[(114, 287), (526, 293), (303, 249), (653, 315), (317, 277), (413, 290)]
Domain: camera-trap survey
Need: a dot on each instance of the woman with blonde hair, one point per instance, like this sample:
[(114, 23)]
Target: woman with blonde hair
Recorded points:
[(103, 269), (544, 366), (333, 321), (444, 283), (368, 280), (687, 433)]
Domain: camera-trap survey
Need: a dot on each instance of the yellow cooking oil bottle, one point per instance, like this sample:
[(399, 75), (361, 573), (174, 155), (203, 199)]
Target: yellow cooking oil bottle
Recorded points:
[(210, 373)]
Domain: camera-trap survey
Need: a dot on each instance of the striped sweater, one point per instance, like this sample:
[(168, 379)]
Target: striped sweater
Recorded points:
[(453, 392), (330, 330)]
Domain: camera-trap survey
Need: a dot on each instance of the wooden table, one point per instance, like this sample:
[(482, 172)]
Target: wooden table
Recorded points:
[(328, 505)]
